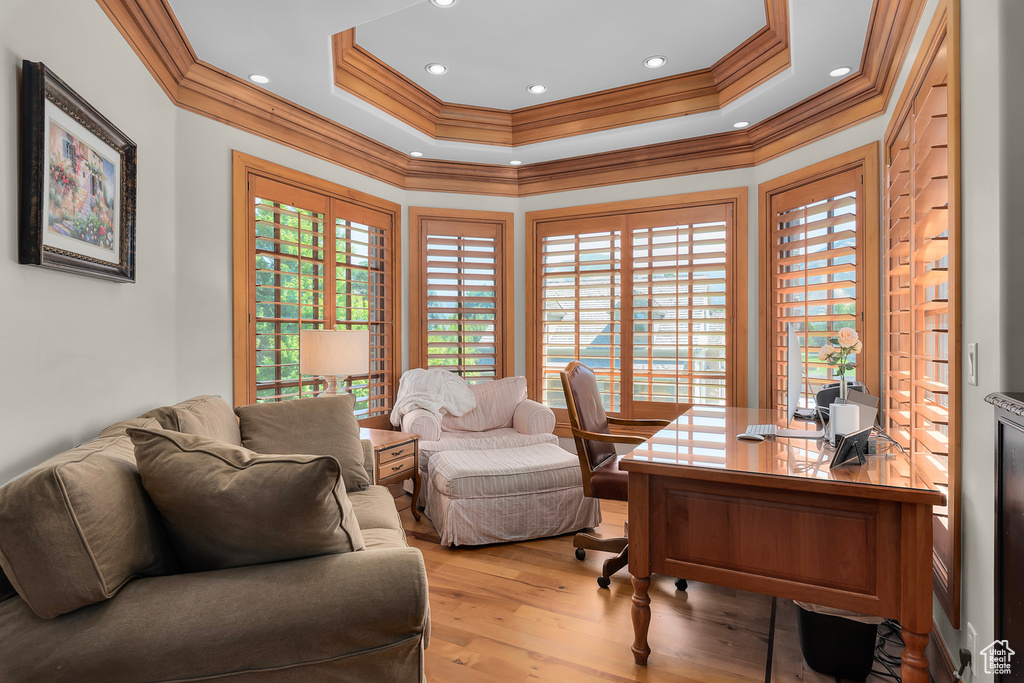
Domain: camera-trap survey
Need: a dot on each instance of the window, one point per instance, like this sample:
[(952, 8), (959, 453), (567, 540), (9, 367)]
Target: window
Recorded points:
[(819, 238), (461, 279), (310, 255), (922, 278), (677, 336)]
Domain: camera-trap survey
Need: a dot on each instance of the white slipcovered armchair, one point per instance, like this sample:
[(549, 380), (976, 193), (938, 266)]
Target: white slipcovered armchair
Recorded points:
[(503, 418), (496, 473)]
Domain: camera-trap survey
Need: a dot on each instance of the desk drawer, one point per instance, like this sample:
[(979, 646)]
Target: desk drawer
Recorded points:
[(403, 450), (392, 468)]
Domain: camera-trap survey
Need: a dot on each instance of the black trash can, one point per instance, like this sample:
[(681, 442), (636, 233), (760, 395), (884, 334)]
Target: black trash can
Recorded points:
[(836, 646)]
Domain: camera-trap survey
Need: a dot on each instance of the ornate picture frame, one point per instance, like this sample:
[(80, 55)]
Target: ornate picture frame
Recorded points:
[(77, 194)]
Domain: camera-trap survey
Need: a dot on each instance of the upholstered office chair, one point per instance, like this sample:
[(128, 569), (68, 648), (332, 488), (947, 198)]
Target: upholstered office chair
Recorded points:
[(599, 464)]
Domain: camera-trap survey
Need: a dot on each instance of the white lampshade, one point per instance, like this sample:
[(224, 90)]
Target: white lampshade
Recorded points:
[(335, 353)]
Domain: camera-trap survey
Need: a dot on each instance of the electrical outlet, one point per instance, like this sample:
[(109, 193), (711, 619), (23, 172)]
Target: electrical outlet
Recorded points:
[(972, 645)]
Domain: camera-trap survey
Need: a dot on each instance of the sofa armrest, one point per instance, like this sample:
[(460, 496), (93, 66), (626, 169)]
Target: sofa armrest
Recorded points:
[(422, 422), (366, 612), (533, 418)]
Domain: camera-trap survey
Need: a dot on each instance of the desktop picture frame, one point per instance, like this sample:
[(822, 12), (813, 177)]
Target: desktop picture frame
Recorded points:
[(77, 182)]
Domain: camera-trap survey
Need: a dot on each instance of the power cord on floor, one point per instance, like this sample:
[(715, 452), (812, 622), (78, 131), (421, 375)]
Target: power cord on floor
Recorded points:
[(889, 639)]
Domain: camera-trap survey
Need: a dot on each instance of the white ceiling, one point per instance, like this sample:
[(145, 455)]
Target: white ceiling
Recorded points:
[(572, 46), (495, 48)]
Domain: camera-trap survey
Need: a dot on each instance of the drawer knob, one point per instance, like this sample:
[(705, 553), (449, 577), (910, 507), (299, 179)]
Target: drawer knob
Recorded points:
[(397, 467), (398, 452)]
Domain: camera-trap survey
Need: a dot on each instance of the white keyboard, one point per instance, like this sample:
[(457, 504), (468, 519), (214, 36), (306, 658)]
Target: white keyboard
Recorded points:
[(763, 430)]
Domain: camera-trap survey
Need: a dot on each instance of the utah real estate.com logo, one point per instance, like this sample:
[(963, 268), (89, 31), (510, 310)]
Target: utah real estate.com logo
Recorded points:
[(997, 657)]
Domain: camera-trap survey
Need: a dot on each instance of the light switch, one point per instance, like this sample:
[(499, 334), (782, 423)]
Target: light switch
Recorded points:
[(972, 364)]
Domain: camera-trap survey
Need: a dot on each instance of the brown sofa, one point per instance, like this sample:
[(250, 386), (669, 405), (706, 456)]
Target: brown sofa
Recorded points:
[(92, 589)]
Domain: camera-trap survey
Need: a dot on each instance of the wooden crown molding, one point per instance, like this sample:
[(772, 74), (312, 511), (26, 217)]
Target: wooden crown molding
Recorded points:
[(154, 34), (753, 62)]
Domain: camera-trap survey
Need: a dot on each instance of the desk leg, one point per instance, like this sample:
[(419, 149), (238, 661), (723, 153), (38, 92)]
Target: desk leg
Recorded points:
[(916, 613), (641, 614), (640, 563), (416, 493)]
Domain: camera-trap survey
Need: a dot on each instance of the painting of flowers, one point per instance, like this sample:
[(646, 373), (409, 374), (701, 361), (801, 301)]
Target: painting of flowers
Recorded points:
[(80, 204), (77, 196)]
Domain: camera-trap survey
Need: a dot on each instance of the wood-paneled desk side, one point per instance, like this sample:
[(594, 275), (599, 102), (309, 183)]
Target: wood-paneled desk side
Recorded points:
[(395, 458), (771, 518)]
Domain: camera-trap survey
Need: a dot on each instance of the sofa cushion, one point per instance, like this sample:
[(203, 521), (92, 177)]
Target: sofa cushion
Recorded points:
[(208, 416), (313, 426), (121, 428), (77, 527), (496, 403), (225, 506), (377, 539), (375, 509), (167, 416)]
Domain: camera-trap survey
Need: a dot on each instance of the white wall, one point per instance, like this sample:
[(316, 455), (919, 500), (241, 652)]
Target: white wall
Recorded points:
[(80, 352)]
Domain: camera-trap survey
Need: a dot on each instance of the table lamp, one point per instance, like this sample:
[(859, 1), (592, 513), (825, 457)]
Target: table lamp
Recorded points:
[(334, 353)]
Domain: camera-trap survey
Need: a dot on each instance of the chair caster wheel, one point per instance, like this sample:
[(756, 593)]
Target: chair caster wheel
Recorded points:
[(604, 581), (581, 554), (680, 584)]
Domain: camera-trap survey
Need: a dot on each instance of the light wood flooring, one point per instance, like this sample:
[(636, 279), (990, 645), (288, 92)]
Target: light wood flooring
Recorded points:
[(531, 612)]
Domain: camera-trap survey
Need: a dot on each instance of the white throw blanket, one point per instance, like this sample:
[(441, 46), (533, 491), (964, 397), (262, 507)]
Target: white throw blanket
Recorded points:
[(437, 391)]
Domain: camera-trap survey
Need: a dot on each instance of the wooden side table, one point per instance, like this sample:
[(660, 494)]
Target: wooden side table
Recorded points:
[(395, 459)]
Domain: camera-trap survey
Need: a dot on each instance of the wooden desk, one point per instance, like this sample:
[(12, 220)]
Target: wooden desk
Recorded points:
[(773, 518)]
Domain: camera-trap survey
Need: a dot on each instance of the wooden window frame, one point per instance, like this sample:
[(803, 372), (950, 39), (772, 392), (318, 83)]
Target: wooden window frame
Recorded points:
[(736, 201), (504, 320), (243, 277), (866, 159), (943, 34)]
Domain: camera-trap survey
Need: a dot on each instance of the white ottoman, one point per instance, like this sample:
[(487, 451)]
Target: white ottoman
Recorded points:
[(507, 494)]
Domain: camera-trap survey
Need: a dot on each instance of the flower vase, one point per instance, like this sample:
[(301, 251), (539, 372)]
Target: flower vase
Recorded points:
[(842, 387)]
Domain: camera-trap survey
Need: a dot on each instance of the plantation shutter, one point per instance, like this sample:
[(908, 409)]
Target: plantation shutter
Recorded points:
[(290, 262), (307, 260), (579, 288), (922, 242), (364, 295), (462, 267), (816, 261), (679, 306)]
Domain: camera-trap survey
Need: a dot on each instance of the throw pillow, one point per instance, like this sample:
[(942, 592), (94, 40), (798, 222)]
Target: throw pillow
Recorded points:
[(314, 426), (77, 527), (208, 416), (496, 403), (225, 506)]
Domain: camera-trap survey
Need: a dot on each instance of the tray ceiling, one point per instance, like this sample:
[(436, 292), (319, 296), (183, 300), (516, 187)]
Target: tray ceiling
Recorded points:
[(574, 47)]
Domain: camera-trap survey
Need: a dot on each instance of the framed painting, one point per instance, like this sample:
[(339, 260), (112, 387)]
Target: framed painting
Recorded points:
[(77, 202)]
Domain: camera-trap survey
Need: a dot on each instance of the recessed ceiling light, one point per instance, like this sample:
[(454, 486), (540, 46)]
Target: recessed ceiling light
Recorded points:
[(259, 78), (415, 154), (841, 71), (536, 89), (741, 124), (435, 69), (515, 162), (654, 61), (442, 3)]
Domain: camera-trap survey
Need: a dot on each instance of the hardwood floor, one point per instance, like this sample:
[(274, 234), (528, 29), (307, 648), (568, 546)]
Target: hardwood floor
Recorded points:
[(532, 612)]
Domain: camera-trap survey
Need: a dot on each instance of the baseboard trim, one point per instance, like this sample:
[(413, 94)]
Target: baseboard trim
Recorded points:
[(940, 664)]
